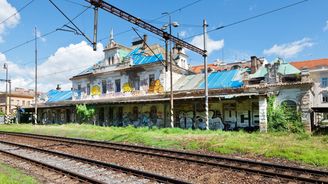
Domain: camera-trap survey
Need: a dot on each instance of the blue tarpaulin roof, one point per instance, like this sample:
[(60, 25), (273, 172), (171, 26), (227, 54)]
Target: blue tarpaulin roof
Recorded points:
[(223, 79), (56, 95), (139, 58)]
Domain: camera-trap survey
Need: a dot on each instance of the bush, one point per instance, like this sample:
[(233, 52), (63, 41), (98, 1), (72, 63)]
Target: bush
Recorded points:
[(86, 114), (283, 119)]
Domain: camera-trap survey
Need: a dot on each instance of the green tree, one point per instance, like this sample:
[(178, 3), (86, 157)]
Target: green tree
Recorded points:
[(86, 114)]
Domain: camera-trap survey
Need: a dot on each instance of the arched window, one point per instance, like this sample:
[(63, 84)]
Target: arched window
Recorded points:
[(113, 61), (289, 104), (235, 67)]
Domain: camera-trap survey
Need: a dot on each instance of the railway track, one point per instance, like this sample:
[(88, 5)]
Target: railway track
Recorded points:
[(83, 169), (264, 168)]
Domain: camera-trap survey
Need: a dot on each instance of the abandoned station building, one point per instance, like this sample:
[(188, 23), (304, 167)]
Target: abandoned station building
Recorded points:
[(131, 86)]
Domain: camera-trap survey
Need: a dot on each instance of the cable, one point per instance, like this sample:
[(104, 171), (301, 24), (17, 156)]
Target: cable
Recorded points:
[(76, 3), (177, 10), (22, 8), (249, 18)]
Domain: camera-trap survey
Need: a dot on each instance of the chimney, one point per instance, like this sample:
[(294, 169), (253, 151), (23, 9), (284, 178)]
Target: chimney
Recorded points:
[(58, 87), (253, 64)]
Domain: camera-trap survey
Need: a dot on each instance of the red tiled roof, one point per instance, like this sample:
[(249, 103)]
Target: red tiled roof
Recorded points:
[(310, 64), (199, 68)]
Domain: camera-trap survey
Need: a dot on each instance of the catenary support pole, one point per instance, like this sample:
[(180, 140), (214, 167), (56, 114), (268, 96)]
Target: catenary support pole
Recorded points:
[(5, 66), (171, 76), (95, 29), (36, 79), (205, 74)]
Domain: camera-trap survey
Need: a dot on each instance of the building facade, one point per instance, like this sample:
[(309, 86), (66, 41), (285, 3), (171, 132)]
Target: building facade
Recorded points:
[(15, 99), (131, 86), (318, 71)]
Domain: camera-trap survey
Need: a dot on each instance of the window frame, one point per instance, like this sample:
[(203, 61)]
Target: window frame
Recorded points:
[(324, 82), (118, 86), (324, 97), (104, 86)]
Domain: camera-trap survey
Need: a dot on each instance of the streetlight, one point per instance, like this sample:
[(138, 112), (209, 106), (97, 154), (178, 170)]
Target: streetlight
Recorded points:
[(170, 24), (5, 66)]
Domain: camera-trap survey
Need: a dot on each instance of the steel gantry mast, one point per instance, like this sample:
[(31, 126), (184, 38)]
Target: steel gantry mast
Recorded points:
[(167, 36), (137, 21)]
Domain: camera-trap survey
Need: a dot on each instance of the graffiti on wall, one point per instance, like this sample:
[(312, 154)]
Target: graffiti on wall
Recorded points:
[(127, 87), (95, 90), (156, 87), (187, 120), (142, 120)]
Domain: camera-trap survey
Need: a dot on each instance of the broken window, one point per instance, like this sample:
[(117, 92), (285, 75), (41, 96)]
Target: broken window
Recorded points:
[(325, 97), (136, 83), (151, 78), (88, 89), (118, 85), (104, 86)]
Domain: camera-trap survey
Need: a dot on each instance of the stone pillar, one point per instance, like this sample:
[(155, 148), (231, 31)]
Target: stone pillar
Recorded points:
[(306, 111), (263, 114)]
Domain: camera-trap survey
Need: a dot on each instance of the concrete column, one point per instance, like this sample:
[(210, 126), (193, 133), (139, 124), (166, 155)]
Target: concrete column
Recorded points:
[(263, 114), (306, 111)]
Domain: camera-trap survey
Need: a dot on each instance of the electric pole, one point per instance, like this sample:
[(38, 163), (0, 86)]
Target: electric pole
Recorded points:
[(205, 74), (36, 79)]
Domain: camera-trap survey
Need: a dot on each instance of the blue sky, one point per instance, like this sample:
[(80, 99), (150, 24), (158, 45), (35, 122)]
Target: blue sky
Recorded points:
[(296, 33)]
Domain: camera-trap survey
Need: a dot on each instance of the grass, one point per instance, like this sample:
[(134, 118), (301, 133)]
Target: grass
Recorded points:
[(302, 148), (9, 175)]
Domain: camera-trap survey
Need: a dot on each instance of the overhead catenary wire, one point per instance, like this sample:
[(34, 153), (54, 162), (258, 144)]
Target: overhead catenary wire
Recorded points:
[(123, 32), (100, 40), (249, 18), (18, 11)]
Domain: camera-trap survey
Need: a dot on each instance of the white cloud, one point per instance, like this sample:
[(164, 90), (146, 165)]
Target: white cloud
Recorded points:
[(212, 45), (326, 27), (57, 69), (289, 50), (7, 10)]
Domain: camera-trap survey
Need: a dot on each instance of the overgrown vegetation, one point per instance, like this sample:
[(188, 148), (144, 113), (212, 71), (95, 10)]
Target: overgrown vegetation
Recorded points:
[(283, 119), (9, 175), (85, 113), (297, 147)]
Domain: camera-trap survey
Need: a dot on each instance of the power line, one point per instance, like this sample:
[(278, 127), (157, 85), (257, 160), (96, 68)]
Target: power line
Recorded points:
[(76, 3), (22, 8), (177, 10), (249, 18), (100, 40)]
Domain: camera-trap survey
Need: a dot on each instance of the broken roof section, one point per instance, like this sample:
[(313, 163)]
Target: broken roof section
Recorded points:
[(57, 96), (216, 80), (137, 55), (139, 58)]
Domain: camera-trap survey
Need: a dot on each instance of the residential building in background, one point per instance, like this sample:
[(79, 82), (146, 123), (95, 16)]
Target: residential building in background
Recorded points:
[(20, 97), (318, 70)]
